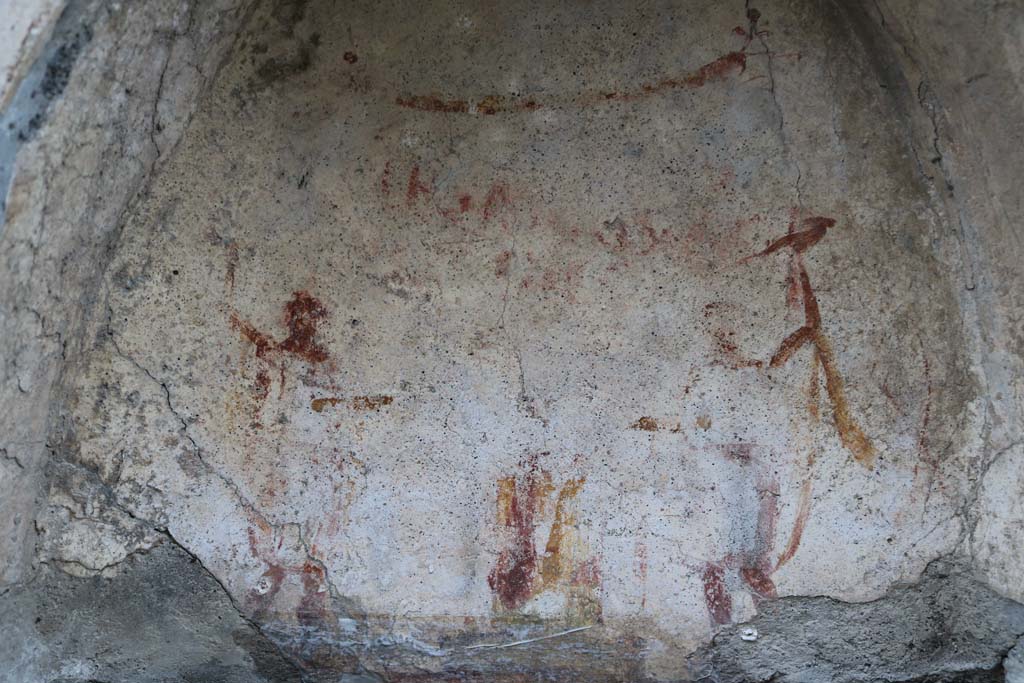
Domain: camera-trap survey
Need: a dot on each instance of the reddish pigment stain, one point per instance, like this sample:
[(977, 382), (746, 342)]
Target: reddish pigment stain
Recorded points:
[(790, 345), (621, 236), (563, 281), (262, 342), (318, 404), (232, 266), (420, 191), (811, 311), (554, 566), (262, 599), (511, 579), (719, 69), (641, 560), (799, 242), (303, 314), (716, 594), (497, 199), (803, 512), (757, 566), (850, 433), (253, 543), (433, 103), (489, 105), (793, 294), (312, 609), (416, 186), (654, 239), (759, 581), (587, 573), (355, 403), (501, 264), (646, 424), (641, 570), (371, 402), (767, 518), (754, 563), (731, 354), (521, 572), (262, 384), (636, 237), (819, 222), (710, 308)]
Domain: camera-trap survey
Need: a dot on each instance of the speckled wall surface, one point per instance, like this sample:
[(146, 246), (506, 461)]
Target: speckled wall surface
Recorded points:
[(535, 339)]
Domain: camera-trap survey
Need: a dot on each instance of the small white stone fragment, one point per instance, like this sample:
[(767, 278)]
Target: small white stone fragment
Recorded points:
[(748, 634), (263, 586)]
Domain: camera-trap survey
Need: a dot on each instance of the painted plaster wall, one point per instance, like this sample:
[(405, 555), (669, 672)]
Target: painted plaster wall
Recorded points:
[(450, 328)]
